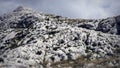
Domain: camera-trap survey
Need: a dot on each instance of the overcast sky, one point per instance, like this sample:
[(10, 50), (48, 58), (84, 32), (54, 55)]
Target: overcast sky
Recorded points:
[(68, 8)]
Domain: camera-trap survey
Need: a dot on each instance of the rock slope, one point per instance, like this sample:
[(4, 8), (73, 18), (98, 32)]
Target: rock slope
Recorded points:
[(30, 39)]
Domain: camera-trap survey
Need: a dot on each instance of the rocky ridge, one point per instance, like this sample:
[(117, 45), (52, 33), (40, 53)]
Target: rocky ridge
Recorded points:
[(32, 39)]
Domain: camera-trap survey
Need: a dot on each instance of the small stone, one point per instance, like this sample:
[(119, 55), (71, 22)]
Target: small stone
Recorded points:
[(4, 56), (61, 41), (68, 46), (55, 48), (94, 44), (19, 61), (52, 58), (2, 47), (1, 60), (69, 56), (39, 52), (75, 38)]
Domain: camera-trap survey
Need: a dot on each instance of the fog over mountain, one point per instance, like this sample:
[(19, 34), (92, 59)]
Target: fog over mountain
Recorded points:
[(69, 8)]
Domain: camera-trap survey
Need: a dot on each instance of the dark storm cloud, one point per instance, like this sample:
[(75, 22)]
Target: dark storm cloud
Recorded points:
[(69, 8)]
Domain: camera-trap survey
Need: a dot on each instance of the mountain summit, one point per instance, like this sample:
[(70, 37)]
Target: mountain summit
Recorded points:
[(21, 8), (31, 39)]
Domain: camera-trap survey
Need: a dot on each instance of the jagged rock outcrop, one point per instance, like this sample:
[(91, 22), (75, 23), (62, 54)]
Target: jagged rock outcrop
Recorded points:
[(32, 39)]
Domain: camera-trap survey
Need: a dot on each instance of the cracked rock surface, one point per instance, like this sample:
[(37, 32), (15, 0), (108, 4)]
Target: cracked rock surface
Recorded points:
[(30, 39)]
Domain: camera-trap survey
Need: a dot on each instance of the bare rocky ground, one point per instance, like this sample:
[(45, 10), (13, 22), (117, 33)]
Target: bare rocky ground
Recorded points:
[(31, 39)]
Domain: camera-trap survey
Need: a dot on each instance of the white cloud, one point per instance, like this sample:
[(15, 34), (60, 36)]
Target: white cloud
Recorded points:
[(69, 8)]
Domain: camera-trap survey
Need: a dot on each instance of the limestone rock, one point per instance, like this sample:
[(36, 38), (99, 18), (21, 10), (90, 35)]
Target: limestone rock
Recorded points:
[(32, 39)]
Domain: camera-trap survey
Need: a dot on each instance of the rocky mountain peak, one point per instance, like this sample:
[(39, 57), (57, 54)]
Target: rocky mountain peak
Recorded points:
[(21, 8), (30, 39)]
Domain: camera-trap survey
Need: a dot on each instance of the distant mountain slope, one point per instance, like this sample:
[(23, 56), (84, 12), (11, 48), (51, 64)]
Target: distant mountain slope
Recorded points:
[(32, 39)]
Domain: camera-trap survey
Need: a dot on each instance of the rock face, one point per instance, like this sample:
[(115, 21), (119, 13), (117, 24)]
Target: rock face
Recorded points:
[(32, 39)]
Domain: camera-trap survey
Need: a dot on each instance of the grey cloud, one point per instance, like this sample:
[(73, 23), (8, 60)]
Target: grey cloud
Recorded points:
[(68, 8)]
